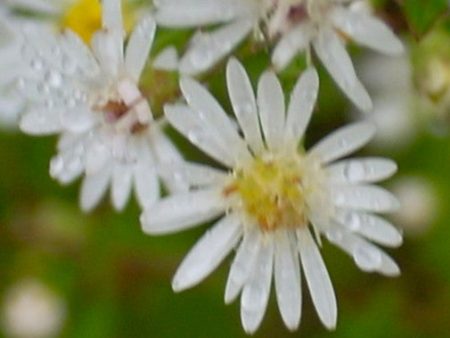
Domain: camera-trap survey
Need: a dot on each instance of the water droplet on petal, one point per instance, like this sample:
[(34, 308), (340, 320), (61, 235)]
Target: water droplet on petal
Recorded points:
[(244, 109), (37, 65), (355, 171), (352, 221), (367, 257), (334, 235), (54, 79)]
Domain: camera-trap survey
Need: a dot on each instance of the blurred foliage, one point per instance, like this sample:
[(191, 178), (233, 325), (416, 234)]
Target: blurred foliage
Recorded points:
[(422, 15), (115, 280)]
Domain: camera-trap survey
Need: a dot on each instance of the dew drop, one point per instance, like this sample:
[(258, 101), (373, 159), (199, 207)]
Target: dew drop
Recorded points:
[(37, 65), (195, 135), (244, 109), (50, 103), (355, 171), (20, 84), (203, 56), (353, 221), (367, 258), (54, 79), (334, 235)]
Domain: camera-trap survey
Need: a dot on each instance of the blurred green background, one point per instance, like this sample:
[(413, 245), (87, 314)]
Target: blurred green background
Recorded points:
[(111, 280)]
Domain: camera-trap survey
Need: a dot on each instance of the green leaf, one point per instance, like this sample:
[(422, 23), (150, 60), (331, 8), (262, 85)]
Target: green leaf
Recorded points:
[(422, 15)]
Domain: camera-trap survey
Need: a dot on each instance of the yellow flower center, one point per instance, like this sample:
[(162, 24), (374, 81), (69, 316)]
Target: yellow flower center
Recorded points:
[(84, 17), (271, 192)]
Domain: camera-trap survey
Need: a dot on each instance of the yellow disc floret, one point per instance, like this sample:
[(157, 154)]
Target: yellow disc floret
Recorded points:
[(84, 17), (270, 192)]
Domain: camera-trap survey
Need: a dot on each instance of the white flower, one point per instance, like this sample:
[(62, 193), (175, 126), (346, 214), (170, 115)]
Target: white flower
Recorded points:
[(274, 198), (395, 113), (420, 204), (31, 310), (294, 26), (92, 98)]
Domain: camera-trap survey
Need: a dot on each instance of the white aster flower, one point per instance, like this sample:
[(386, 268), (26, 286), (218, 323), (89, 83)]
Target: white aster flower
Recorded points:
[(274, 198), (293, 26), (91, 97)]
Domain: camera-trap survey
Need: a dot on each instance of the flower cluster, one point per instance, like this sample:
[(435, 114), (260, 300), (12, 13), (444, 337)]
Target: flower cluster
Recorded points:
[(77, 75)]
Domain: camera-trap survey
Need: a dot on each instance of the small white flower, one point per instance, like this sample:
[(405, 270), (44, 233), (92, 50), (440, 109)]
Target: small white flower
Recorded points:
[(395, 112), (293, 26), (274, 198), (31, 310), (91, 97)]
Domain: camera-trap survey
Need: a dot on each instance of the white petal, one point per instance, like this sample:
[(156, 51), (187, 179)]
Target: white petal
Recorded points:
[(168, 158), (367, 30), (195, 175), (110, 56), (112, 14), (66, 166), (336, 60), (167, 60), (139, 46), (78, 119), (364, 197), (271, 109), (79, 57), (93, 188), (97, 155), (301, 106), (164, 149), (287, 280), (208, 253), (181, 211), (318, 280), (146, 182), (40, 122), (243, 264), (195, 13), (244, 104), (292, 43), (255, 295), (209, 48), (122, 182), (212, 114), (361, 170), (367, 256), (183, 119), (370, 226), (343, 141)]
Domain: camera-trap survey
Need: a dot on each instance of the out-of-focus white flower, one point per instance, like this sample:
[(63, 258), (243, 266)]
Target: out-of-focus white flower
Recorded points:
[(419, 204), (390, 82), (31, 310), (274, 198), (295, 26), (91, 96)]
